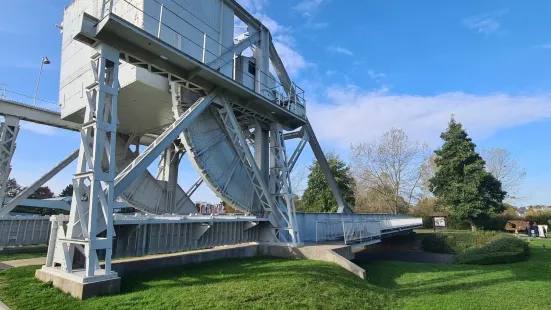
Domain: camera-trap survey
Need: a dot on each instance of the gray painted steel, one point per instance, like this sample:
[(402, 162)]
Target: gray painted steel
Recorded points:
[(24, 230), (211, 153), (307, 222)]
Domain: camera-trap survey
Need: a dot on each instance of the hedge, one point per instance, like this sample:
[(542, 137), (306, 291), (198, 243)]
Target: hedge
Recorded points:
[(478, 247)]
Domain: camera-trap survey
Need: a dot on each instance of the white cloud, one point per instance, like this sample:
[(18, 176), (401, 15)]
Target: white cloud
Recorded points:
[(357, 115), (340, 50), (374, 75), (485, 23), (316, 25), (293, 61), (283, 41), (309, 6), (254, 6), (272, 25)]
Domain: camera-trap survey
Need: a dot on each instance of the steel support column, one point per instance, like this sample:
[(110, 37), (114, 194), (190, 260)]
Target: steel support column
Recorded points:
[(8, 135), (280, 181), (93, 183)]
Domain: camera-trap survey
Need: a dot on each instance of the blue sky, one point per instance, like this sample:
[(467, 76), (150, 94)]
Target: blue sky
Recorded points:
[(366, 66)]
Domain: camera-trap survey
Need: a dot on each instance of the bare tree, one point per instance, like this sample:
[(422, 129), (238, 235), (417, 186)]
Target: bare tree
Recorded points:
[(392, 166), (428, 169), (504, 167)]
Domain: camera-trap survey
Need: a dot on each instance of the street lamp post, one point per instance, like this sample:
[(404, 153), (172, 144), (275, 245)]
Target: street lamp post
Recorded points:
[(45, 61)]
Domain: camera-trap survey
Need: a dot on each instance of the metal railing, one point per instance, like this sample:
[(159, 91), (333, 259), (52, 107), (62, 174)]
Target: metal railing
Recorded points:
[(10, 95), (167, 25), (357, 228), (361, 231), (329, 230), (393, 224)]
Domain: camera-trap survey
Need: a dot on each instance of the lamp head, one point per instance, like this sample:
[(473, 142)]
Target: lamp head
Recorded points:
[(45, 60)]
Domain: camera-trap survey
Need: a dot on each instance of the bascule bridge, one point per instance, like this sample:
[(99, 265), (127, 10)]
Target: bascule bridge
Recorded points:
[(148, 79)]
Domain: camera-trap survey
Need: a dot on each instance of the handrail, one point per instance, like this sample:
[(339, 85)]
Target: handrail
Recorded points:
[(163, 30)]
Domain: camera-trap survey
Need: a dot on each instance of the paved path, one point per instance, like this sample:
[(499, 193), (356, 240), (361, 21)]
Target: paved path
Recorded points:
[(21, 263), (3, 306)]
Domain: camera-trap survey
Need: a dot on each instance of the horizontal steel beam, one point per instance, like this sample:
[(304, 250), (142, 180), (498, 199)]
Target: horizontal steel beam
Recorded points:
[(35, 114)]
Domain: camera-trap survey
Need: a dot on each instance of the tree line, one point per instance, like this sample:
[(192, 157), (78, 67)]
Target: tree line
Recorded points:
[(395, 174), (44, 192)]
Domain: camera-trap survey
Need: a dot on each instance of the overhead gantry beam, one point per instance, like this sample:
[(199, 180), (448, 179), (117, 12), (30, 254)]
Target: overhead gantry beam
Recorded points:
[(140, 164)]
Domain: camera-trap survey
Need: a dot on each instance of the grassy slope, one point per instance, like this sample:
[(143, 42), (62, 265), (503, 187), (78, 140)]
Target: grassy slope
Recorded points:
[(249, 283), (510, 286), (273, 283), (8, 257)]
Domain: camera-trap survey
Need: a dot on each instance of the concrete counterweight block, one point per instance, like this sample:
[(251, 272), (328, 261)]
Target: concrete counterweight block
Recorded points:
[(78, 286)]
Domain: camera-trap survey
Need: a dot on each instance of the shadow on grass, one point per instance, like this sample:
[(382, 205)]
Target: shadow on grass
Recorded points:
[(414, 279)]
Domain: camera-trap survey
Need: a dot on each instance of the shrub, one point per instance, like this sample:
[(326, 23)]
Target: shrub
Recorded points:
[(500, 250), (477, 248)]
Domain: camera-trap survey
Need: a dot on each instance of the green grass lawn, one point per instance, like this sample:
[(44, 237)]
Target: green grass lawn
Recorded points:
[(508, 286), (7, 257), (265, 283)]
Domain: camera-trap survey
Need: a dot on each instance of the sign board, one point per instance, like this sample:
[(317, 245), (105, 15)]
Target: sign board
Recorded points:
[(439, 221)]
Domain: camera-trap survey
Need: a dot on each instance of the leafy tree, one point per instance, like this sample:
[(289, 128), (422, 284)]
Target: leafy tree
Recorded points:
[(67, 191), (461, 180), (42, 193), (13, 188), (318, 196)]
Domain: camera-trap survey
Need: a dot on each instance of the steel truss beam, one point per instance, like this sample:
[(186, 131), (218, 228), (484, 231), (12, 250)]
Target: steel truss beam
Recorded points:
[(247, 160), (8, 135), (280, 70), (140, 164), (296, 154), (280, 181), (31, 189), (324, 165), (194, 187)]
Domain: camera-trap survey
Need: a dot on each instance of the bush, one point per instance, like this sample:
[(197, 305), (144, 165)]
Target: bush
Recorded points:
[(478, 247), (500, 250), (455, 243)]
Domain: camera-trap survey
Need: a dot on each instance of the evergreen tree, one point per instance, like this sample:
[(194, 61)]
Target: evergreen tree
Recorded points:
[(318, 196), (461, 180), (67, 191), (13, 188)]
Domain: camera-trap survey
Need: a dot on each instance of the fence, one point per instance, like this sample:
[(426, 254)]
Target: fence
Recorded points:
[(10, 95), (24, 230), (350, 231)]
